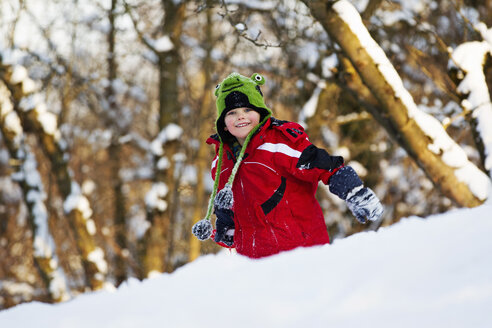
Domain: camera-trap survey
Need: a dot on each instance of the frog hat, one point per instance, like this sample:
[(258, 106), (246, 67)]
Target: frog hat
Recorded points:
[(236, 91)]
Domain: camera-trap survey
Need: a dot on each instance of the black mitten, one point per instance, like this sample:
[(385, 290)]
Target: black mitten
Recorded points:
[(364, 204), (362, 201), (224, 226)]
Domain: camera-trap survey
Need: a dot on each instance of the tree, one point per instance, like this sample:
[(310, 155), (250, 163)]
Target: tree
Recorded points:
[(34, 117), (419, 134), (156, 245), (28, 177)]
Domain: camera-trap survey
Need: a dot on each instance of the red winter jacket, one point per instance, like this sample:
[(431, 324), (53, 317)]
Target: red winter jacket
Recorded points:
[(275, 208)]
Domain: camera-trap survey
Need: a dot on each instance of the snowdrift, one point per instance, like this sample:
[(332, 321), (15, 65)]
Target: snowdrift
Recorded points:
[(434, 272)]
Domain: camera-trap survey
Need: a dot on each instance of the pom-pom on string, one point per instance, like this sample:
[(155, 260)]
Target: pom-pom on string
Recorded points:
[(202, 229), (224, 198)]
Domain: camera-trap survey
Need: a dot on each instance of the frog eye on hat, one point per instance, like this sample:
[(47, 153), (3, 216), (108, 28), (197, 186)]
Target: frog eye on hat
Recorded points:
[(216, 91), (258, 79)]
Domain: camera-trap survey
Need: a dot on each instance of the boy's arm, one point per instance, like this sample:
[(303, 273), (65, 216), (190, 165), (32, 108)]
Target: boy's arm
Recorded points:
[(310, 163), (297, 156), (318, 159), (344, 182)]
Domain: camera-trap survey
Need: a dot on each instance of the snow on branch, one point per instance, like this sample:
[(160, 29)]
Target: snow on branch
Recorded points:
[(77, 201), (253, 4), (155, 197), (163, 44), (44, 245), (170, 132), (470, 59), (9, 121), (309, 108)]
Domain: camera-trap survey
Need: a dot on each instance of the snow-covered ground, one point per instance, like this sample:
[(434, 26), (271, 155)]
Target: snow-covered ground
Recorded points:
[(434, 272)]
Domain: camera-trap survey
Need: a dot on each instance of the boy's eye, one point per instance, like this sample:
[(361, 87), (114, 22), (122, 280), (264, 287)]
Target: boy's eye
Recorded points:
[(231, 112)]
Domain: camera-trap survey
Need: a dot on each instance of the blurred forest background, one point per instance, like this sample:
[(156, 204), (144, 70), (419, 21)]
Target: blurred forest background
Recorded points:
[(105, 106)]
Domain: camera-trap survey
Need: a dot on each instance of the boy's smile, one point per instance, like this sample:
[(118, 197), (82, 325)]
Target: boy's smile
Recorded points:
[(241, 125), (240, 121)]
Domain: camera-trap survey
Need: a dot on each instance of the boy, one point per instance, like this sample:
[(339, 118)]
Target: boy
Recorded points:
[(267, 172)]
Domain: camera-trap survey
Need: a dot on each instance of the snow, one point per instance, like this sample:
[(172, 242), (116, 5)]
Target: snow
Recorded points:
[(11, 120), (433, 272), (163, 164), (138, 225), (48, 121), (119, 86), (97, 257), (163, 44), (358, 168), (470, 58), (169, 133), (88, 187), (138, 94), (253, 4), (77, 201), (154, 197), (21, 289), (404, 10), (328, 64), (58, 284), (309, 109), (33, 101), (19, 73), (485, 32), (452, 154), (240, 27)]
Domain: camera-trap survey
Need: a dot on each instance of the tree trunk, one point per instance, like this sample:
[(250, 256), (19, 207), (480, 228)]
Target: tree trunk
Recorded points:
[(45, 258), (155, 244), (115, 156), (398, 113), (203, 116), (36, 119)]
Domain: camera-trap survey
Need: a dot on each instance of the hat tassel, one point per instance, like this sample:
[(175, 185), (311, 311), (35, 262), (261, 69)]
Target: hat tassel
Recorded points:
[(203, 228)]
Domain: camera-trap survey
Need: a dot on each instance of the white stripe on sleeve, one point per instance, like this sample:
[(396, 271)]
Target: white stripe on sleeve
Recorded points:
[(280, 148)]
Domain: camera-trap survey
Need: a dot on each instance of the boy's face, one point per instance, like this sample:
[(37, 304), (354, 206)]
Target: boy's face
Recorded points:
[(240, 121)]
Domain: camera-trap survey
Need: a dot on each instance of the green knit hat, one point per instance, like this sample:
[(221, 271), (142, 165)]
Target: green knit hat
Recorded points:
[(236, 91)]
